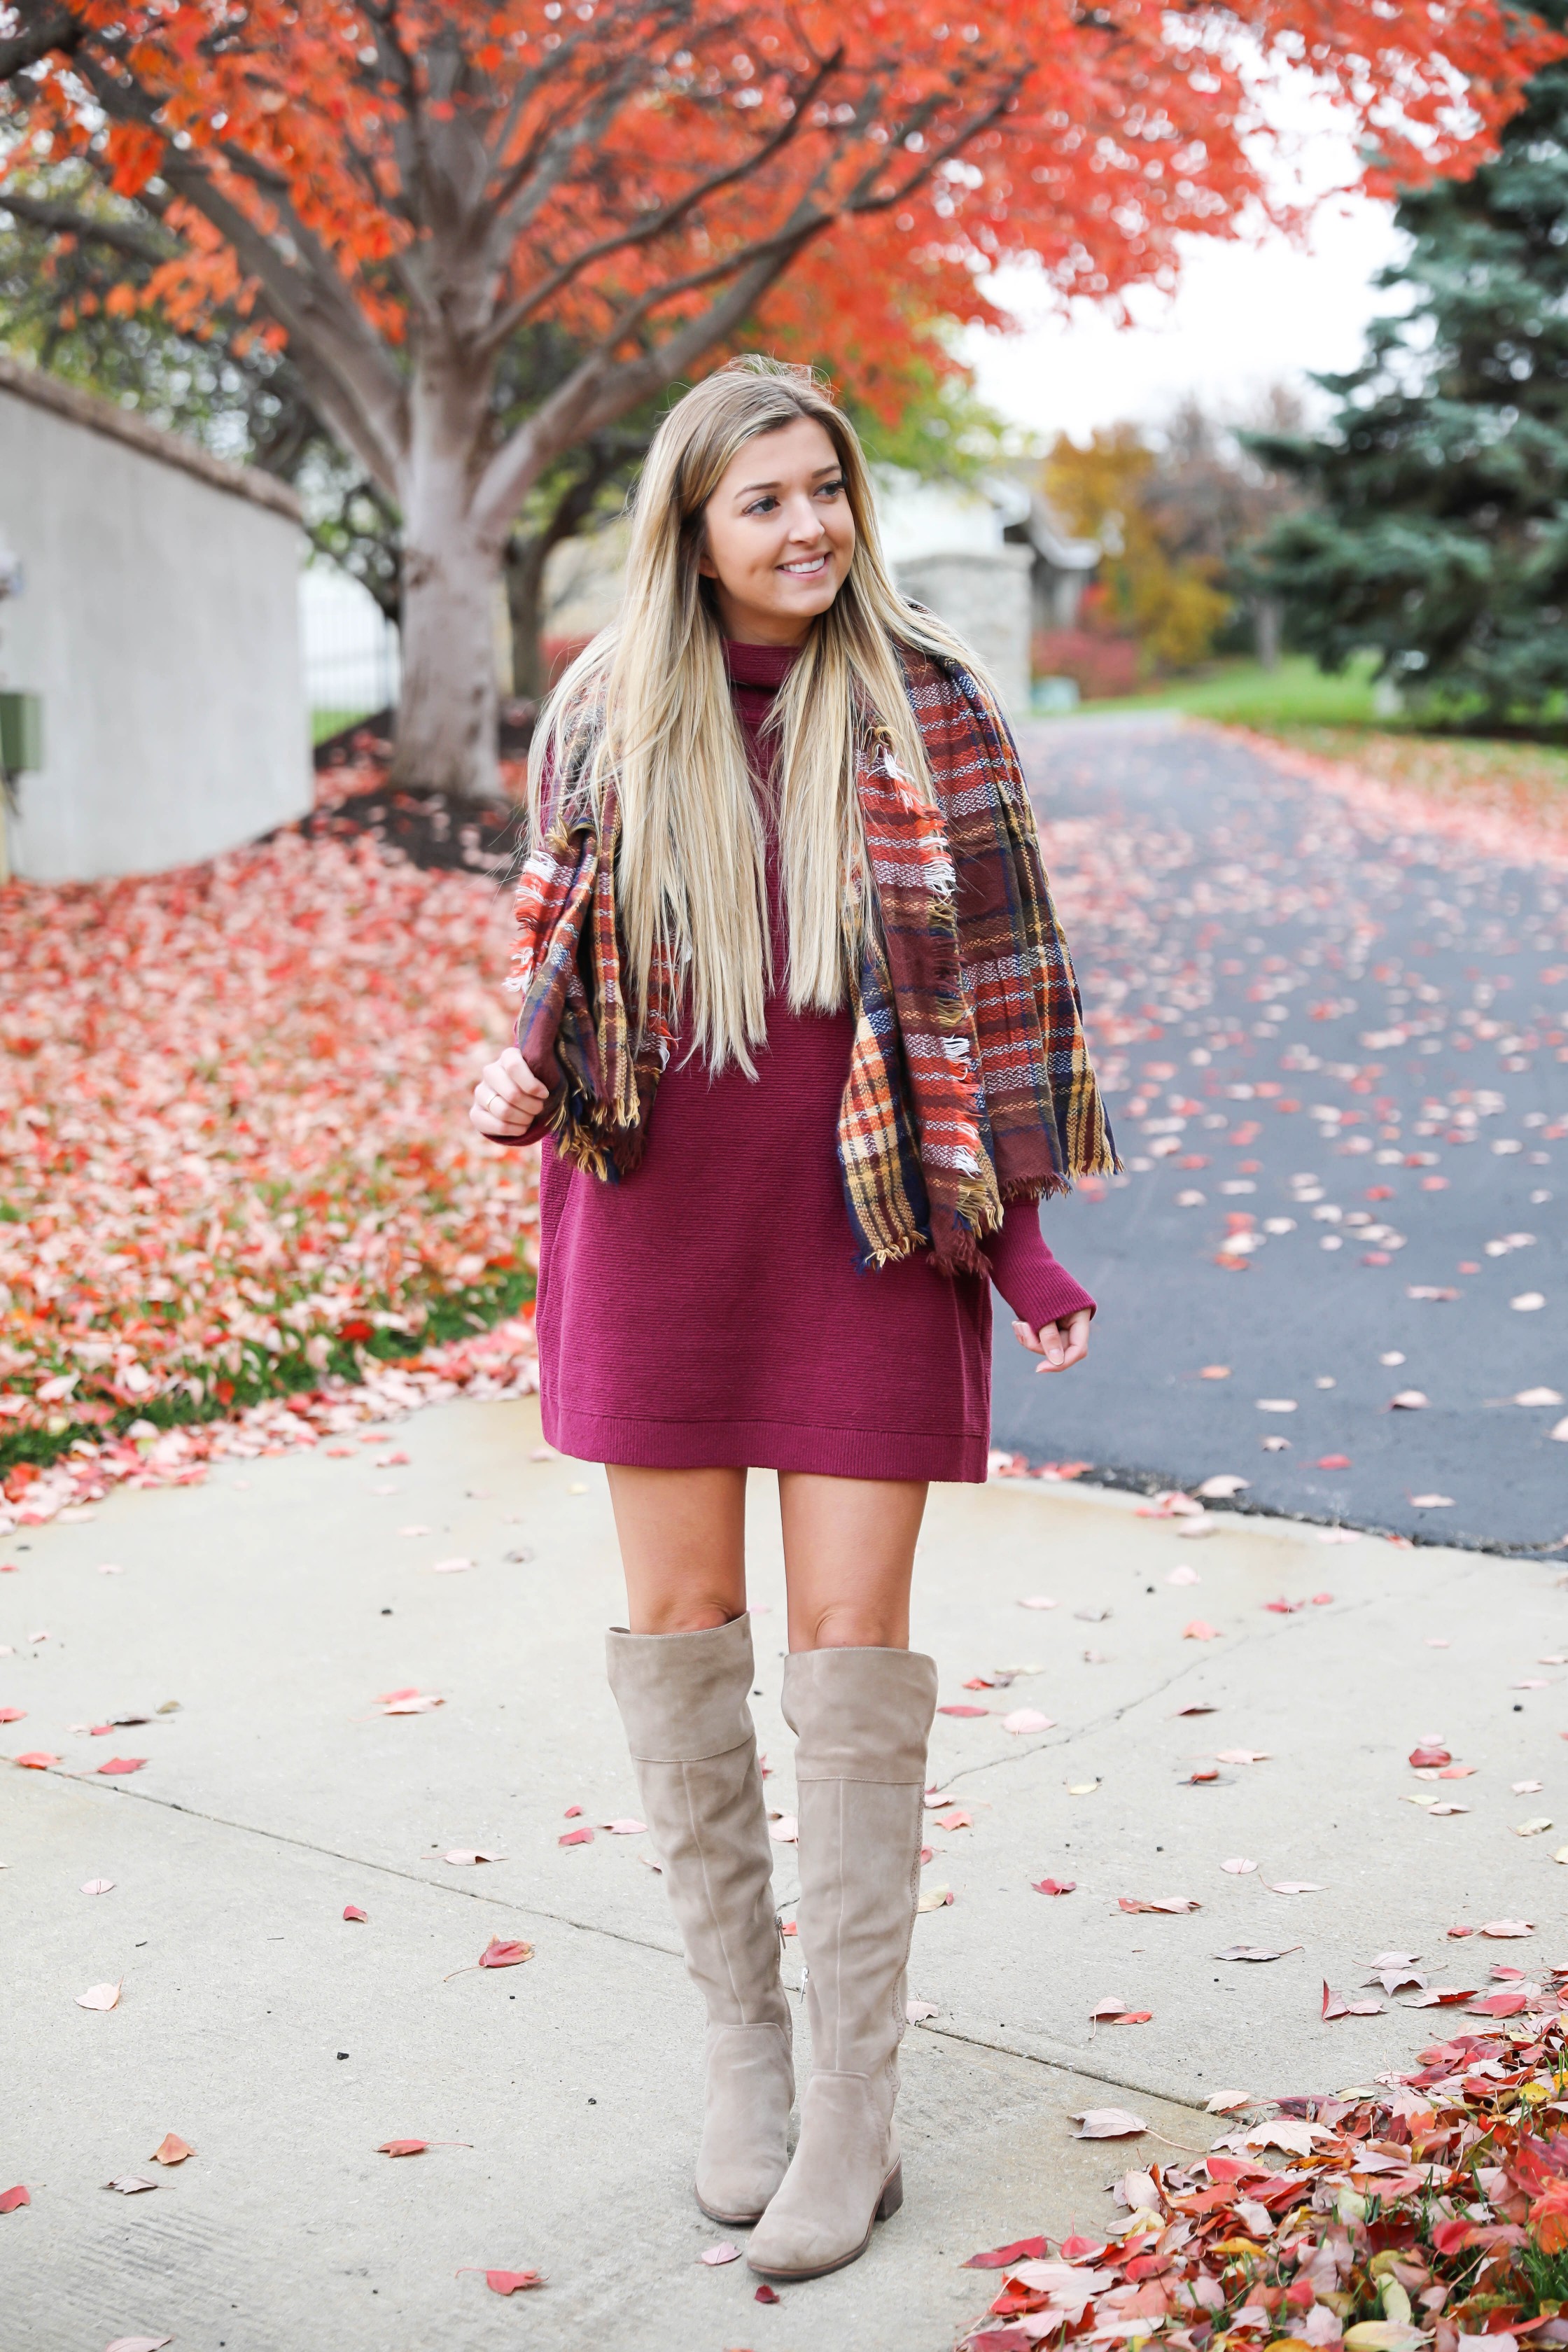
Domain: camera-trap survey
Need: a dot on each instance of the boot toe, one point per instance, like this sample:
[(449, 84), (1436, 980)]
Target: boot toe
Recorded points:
[(796, 2246), (739, 2194)]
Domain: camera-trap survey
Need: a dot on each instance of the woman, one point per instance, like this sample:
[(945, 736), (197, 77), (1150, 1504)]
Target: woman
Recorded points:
[(802, 1040)]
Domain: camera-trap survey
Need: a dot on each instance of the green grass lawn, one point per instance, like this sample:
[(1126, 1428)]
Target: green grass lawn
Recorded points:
[(330, 722), (1334, 718), (1243, 694)]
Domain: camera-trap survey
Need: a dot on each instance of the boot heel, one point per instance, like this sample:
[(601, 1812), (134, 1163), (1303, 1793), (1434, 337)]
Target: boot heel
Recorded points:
[(892, 2195)]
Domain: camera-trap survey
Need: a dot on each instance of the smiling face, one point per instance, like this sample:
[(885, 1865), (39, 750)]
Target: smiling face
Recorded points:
[(779, 535)]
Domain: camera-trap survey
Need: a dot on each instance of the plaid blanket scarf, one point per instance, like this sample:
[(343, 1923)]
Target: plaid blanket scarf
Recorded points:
[(969, 1082)]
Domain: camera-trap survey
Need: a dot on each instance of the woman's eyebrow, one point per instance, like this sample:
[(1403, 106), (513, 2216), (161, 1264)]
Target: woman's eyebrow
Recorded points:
[(820, 474)]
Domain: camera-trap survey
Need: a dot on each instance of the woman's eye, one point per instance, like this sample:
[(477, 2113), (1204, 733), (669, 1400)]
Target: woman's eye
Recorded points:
[(761, 506), (831, 490)]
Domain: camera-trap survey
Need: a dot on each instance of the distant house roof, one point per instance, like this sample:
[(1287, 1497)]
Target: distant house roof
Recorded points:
[(85, 408), (1027, 520), (922, 519)]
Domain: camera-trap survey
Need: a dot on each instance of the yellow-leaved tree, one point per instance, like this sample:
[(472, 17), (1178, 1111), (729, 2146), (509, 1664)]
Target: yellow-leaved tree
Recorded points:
[(1167, 602)]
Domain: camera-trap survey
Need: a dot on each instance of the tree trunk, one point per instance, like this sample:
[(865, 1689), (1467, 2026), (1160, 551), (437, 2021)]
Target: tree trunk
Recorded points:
[(1268, 617), (525, 561), (447, 708)]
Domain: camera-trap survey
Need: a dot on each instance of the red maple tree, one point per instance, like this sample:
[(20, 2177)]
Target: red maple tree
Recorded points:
[(396, 187)]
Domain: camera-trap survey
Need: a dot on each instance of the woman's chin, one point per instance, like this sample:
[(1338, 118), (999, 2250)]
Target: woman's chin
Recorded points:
[(810, 597)]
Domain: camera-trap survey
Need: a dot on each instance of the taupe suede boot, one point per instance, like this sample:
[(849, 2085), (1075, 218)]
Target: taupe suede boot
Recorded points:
[(863, 1719), (683, 1699)]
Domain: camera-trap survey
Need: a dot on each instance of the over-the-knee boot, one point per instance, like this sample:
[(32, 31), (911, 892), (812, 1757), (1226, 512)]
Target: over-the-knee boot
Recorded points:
[(863, 1719), (684, 1700)]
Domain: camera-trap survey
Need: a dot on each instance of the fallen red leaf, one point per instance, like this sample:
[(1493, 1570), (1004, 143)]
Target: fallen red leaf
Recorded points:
[(1336, 2005), (1032, 2250), (572, 1813), (765, 2295), (1428, 1759), (123, 1764), (11, 2199), (36, 1759), (576, 1837), (1054, 1885), (1333, 1462), (12, 1714), (402, 2147), (1199, 1632), (507, 2282), (352, 1911), (964, 1710), (499, 1954), (171, 2150)]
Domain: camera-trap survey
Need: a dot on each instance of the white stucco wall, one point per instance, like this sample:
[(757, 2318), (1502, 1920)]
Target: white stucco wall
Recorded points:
[(159, 620), (920, 518), (987, 598)]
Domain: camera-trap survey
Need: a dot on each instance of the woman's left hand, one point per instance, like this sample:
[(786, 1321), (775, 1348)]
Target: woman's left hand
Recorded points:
[(1061, 1345)]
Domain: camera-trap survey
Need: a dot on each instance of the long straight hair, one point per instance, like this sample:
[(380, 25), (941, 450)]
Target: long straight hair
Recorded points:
[(648, 703)]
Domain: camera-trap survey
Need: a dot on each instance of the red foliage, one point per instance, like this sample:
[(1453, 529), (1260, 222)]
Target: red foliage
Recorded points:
[(637, 156), (1100, 666)]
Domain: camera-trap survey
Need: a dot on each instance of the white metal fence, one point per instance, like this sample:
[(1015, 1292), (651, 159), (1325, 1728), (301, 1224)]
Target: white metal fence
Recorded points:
[(350, 649)]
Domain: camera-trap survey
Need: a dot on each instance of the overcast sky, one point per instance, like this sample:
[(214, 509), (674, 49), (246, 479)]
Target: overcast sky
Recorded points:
[(1246, 317)]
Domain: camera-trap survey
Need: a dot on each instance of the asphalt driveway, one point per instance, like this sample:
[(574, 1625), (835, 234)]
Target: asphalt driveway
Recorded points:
[(1333, 1042)]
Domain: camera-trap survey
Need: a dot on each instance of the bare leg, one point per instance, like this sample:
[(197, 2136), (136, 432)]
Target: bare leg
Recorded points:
[(682, 1681), (850, 1551), (683, 1545)]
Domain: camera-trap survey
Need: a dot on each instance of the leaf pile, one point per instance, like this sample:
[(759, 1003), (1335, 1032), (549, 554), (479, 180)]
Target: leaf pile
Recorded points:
[(1515, 789), (1425, 2212), (238, 1167)]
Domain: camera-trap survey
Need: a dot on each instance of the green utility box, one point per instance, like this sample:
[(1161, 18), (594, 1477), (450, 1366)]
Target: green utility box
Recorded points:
[(21, 734)]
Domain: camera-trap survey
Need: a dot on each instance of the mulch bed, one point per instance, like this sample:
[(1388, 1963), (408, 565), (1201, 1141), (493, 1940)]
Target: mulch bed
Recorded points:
[(432, 829)]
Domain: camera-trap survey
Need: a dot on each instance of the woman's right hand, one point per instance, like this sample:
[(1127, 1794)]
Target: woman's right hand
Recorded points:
[(507, 1098)]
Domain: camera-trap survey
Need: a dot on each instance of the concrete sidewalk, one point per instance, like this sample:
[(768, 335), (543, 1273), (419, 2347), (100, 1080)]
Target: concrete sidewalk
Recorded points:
[(276, 1601)]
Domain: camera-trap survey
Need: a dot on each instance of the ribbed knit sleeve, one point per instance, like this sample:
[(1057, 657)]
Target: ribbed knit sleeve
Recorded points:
[(1034, 1286)]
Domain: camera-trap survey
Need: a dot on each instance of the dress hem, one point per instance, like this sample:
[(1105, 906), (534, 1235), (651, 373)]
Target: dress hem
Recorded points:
[(957, 1459)]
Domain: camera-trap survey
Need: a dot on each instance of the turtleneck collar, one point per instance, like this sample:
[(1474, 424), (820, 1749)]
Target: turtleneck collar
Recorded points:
[(759, 665)]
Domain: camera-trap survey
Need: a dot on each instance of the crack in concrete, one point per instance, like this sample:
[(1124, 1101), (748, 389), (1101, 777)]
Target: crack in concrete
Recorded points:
[(1057, 2057), (364, 1862), (1115, 1715), (1063, 2059)]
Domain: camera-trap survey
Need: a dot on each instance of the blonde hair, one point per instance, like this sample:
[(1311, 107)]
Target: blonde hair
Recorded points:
[(648, 703)]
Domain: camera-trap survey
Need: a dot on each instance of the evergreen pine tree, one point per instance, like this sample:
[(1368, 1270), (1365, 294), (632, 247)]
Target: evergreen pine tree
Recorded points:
[(1438, 531)]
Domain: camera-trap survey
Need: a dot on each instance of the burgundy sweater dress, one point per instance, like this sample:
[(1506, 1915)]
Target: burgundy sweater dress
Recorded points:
[(707, 1310)]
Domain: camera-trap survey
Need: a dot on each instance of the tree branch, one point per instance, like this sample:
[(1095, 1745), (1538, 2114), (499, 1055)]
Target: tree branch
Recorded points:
[(59, 30), (366, 401), (600, 391), (656, 224), (65, 220)]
